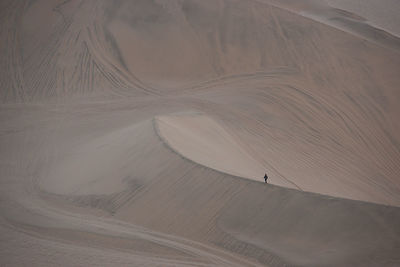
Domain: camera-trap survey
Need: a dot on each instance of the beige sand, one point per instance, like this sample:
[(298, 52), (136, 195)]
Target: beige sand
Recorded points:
[(382, 14), (202, 140), (137, 133), (375, 21)]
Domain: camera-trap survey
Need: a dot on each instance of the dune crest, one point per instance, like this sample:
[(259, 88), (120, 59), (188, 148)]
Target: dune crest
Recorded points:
[(125, 125), (203, 140)]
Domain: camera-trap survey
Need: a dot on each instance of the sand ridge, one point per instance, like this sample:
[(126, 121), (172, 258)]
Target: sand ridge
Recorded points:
[(125, 125), (201, 139)]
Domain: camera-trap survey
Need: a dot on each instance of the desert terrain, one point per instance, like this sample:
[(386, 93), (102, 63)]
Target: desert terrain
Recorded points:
[(138, 133)]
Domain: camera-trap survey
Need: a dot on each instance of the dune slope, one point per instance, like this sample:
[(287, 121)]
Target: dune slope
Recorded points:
[(137, 133)]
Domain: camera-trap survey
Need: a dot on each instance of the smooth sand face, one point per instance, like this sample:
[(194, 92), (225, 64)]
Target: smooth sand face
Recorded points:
[(124, 126), (375, 21), (202, 140), (382, 14)]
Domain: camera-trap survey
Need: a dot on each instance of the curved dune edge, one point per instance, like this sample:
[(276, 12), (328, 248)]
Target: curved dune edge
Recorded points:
[(344, 17), (202, 140)]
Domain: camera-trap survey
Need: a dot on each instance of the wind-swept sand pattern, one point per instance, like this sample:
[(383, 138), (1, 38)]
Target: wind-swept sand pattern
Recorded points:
[(382, 14), (137, 133), (202, 140)]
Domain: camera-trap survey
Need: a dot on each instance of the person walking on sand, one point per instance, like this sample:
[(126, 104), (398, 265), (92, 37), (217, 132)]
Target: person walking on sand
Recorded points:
[(265, 178)]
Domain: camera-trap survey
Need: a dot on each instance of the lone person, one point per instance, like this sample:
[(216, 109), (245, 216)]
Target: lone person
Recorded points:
[(265, 178)]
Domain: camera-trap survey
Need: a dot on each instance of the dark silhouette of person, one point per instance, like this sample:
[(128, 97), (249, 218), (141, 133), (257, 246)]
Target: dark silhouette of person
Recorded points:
[(265, 178)]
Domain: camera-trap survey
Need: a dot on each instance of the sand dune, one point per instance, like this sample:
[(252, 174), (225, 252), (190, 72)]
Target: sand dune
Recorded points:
[(202, 140), (374, 21), (137, 133), (382, 14)]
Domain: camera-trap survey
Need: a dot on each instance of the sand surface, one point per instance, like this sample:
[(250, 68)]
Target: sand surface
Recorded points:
[(137, 133), (382, 14)]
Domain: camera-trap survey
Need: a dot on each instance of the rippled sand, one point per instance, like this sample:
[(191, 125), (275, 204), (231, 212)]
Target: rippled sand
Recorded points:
[(137, 133)]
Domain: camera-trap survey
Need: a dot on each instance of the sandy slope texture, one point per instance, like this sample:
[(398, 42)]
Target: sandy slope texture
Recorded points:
[(171, 210), (202, 140), (382, 14), (375, 21), (110, 110)]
